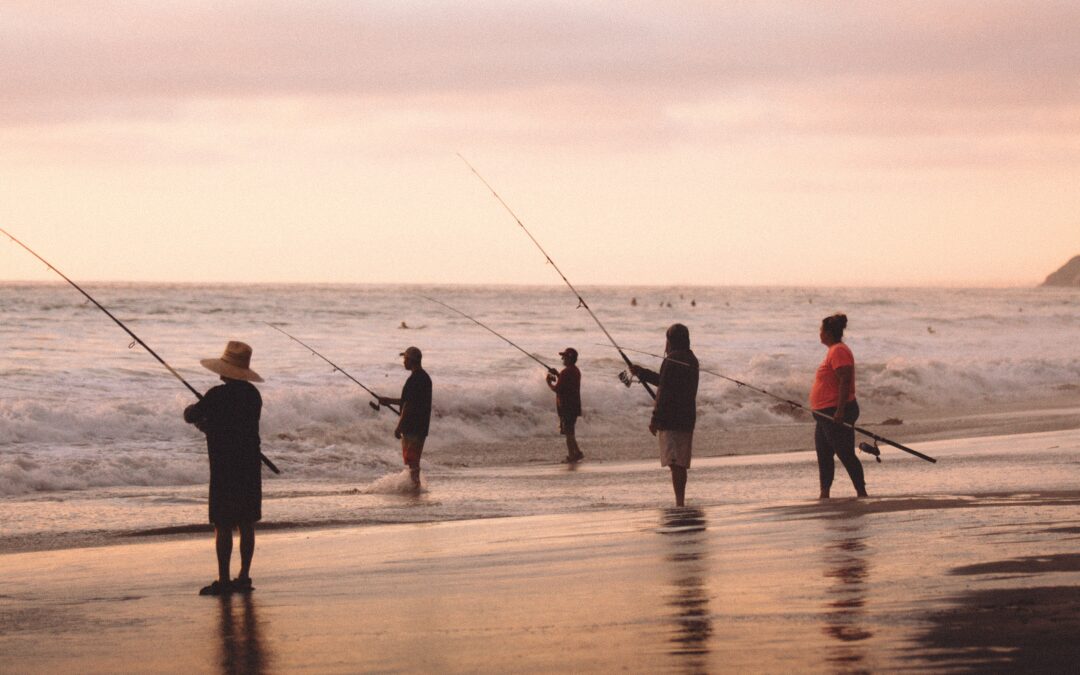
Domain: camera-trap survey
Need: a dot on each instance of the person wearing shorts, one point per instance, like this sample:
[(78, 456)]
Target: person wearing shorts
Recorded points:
[(415, 402), (567, 388), (675, 411)]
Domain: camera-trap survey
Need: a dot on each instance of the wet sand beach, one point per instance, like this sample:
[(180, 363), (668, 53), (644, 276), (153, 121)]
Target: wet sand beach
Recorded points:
[(976, 570)]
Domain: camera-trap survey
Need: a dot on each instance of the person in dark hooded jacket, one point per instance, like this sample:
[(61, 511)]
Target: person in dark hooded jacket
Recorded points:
[(675, 411)]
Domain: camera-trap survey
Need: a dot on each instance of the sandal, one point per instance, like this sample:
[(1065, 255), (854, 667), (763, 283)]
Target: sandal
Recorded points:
[(216, 588), (242, 585)]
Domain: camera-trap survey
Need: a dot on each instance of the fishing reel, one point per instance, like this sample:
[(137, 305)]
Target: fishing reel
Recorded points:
[(374, 405), (627, 378), (871, 450)]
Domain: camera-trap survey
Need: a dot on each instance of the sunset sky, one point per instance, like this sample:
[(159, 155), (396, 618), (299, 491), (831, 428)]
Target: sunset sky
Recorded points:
[(805, 143)]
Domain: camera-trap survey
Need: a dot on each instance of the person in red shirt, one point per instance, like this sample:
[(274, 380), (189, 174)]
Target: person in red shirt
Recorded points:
[(567, 388), (832, 398)]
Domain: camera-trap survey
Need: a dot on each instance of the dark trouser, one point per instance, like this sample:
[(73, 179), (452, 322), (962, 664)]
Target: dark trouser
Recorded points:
[(831, 438)]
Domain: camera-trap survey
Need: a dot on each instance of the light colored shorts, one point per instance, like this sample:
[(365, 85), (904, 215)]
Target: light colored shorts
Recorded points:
[(675, 447), (411, 448)]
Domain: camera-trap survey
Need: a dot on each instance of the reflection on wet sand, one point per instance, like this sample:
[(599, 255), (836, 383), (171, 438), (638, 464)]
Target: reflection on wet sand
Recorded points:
[(688, 598), (241, 645), (846, 563)]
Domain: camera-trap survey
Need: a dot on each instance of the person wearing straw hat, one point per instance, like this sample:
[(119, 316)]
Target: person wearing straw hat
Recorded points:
[(415, 402), (229, 416), (567, 387)]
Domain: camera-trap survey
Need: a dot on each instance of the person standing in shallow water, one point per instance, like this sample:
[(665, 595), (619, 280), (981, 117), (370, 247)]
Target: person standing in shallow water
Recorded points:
[(415, 402), (567, 388), (833, 399), (675, 411), (229, 416)]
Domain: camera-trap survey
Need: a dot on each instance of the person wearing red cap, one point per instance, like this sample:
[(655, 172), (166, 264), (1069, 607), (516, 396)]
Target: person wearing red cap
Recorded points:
[(415, 402), (567, 388), (229, 416)]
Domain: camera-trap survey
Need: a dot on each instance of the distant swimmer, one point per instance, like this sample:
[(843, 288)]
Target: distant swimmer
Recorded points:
[(415, 404), (567, 388), (693, 303), (833, 396), (404, 326), (675, 412), (930, 329), (229, 416), (633, 302)]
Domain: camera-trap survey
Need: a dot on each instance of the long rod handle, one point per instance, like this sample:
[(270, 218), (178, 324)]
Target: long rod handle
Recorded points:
[(876, 437), (265, 459)]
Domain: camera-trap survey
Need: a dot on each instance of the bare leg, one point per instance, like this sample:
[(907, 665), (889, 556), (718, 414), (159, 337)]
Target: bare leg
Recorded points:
[(224, 551), (247, 548), (414, 473), (678, 481)]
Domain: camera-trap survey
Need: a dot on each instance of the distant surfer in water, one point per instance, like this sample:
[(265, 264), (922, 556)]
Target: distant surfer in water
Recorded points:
[(567, 388), (833, 396), (415, 402), (675, 411), (229, 416)]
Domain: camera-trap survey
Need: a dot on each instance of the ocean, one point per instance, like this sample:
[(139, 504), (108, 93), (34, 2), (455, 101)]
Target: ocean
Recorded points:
[(93, 447)]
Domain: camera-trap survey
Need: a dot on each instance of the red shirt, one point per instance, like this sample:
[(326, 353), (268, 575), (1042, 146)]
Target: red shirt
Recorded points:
[(826, 390)]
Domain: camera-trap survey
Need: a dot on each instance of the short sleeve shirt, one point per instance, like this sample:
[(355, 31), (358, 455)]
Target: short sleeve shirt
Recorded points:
[(568, 392), (826, 390), (416, 399)]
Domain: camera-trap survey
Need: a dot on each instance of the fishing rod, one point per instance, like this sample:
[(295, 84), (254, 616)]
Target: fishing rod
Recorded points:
[(265, 459), (374, 404), (581, 300), (865, 447), (490, 330)]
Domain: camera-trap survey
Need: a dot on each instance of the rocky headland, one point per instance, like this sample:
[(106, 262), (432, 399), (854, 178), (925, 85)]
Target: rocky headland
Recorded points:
[(1068, 275)]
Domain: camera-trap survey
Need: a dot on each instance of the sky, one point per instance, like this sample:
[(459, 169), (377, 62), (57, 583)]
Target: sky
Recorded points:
[(678, 142)]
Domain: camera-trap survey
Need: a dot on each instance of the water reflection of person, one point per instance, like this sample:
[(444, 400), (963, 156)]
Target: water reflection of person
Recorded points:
[(241, 644), (846, 562), (688, 598)]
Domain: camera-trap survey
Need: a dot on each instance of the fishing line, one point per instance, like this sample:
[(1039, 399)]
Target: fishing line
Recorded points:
[(581, 300)]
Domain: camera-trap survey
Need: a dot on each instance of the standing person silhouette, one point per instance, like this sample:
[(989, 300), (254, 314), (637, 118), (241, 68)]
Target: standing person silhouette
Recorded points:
[(567, 388), (229, 416), (675, 412), (833, 399), (415, 402)]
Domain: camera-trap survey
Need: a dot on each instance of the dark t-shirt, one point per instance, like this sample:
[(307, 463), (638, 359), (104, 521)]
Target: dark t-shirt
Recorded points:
[(676, 395), (229, 416), (568, 392), (416, 404)]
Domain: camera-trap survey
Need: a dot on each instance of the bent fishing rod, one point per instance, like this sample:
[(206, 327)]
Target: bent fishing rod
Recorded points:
[(374, 404), (581, 300), (265, 459), (865, 447), (505, 339)]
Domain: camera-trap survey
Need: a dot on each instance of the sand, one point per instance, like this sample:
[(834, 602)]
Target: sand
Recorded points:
[(980, 571)]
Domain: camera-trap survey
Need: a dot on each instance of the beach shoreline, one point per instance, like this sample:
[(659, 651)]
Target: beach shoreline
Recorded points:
[(977, 572)]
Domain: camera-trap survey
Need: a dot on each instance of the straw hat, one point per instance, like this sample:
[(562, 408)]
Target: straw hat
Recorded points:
[(233, 363)]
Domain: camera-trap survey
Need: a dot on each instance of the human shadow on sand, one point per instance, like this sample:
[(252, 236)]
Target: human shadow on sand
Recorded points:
[(242, 649), (1024, 630), (688, 599)]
